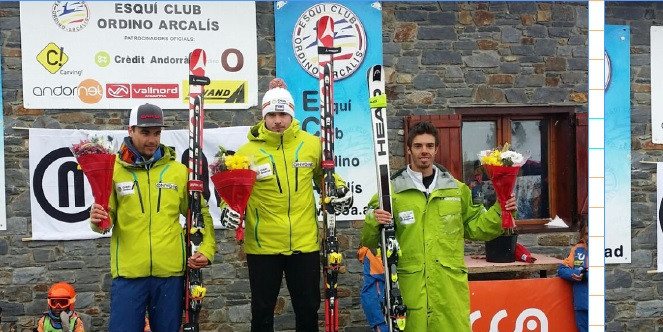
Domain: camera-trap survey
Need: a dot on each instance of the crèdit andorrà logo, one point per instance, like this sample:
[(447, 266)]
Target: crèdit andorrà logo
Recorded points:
[(349, 35)]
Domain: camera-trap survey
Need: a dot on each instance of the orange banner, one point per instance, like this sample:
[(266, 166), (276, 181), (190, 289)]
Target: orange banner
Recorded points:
[(522, 305)]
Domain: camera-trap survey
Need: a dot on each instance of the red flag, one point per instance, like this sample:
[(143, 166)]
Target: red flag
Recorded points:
[(98, 168)]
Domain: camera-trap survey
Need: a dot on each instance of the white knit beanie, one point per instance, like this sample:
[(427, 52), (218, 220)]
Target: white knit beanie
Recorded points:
[(278, 100)]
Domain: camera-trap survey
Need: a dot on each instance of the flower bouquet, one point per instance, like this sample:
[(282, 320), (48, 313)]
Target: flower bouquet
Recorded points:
[(502, 166), (96, 157), (233, 181)]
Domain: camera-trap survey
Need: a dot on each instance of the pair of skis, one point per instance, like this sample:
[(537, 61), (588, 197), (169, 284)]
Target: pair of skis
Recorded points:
[(195, 225), (393, 308), (331, 255)]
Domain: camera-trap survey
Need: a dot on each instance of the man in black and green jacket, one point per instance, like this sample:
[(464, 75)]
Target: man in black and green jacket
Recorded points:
[(281, 222), (148, 249)]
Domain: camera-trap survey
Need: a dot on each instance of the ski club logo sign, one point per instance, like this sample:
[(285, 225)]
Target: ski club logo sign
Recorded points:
[(71, 16), (349, 35)]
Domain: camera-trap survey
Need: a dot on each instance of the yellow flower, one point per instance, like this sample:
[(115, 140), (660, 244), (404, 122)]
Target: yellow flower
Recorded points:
[(237, 162)]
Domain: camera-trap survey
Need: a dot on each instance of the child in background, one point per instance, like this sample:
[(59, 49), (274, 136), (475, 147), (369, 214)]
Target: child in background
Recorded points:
[(61, 316), (574, 269)]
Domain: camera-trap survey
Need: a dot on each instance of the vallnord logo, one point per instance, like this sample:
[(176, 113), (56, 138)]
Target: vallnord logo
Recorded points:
[(118, 90), (349, 34)]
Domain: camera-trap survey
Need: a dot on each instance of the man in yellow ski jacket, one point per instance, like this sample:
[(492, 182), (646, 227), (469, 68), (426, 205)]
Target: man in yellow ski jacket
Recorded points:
[(148, 249), (281, 234), (433, 214)]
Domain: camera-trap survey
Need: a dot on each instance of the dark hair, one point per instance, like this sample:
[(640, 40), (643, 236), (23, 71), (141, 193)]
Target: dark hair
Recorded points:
[(421, 128), (582, 224)]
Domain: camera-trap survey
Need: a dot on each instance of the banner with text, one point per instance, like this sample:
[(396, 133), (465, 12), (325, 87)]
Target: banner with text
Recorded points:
[(617, 143), (659, 217), (358, 32), (60, 195), (114, 55), (535, 305)]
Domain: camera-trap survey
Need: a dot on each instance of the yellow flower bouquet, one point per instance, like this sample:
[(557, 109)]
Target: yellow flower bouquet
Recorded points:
[(233, 180), (502, 166)]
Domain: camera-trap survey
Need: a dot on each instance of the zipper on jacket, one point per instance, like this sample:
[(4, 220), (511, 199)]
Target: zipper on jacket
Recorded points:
[(285, 161), (117, 256), (276, 173), (137, 187), (255, 232), (149, 226), (161, 182), (297, 168)]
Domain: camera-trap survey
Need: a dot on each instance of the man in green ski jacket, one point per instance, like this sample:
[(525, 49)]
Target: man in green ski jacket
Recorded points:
[(433, 213), (281, 234), (148, 249)]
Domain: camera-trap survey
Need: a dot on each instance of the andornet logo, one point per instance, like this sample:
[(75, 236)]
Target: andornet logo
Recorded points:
[(90, 91), (118, 90), (349, 35)]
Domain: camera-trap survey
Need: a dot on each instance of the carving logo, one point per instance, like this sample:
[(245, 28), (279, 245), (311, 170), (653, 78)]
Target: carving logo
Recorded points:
[(71, 16), (349, 35)]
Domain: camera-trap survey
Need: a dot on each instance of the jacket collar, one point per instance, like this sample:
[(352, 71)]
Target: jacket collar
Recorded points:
[(260, 132), (129, 156), (406, 179)]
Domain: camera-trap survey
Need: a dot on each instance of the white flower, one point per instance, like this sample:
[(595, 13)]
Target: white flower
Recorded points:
[(515, 157)]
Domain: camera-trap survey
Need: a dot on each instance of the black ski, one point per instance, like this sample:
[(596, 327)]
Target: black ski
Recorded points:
[(393, 308), (193, 288)]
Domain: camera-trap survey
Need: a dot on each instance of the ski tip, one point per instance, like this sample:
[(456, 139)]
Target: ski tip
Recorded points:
[(375, 73)]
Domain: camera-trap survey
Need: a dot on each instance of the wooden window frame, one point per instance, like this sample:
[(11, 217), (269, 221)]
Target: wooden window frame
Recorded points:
[(567, 167)]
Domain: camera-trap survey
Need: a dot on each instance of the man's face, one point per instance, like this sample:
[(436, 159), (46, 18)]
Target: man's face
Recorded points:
[(422, 152), (146, 140), (278, 122)]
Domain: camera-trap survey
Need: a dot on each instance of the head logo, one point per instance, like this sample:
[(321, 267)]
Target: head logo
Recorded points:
[(349, 35), (118, 90), (90, 91), (71, 16)]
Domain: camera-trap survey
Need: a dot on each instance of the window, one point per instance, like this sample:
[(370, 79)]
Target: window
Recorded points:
[(554, 180)]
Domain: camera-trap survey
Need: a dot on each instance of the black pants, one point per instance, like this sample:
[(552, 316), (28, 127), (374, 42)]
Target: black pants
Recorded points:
[(302, 275)]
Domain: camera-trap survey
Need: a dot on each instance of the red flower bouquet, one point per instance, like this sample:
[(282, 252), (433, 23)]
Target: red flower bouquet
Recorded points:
[(502, 166), (233, 181), (96, 158)]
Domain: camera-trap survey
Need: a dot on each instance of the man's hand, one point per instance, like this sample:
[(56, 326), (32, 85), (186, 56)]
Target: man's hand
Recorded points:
[(229, 218), (197, 261), (342, 201), (577, 277), (97, 214), (383, 217), (510, 204)]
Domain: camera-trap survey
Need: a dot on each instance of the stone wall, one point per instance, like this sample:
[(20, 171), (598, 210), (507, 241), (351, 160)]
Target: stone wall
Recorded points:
[(438, 56), (632, 295)]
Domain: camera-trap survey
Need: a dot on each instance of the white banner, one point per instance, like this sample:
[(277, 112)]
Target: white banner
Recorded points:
[(114, 55), (656, 44), (60, 195)]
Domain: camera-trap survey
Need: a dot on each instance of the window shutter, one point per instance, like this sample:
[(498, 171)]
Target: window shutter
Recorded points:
[(581, 164), (449, 152)]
